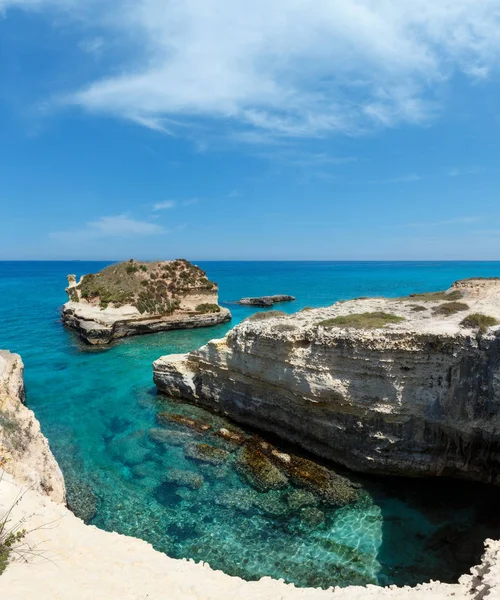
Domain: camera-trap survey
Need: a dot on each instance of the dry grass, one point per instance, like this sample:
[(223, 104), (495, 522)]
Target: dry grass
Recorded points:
[(450, 308), (479, 321), (154, 287), (373, 320), (268, 314)]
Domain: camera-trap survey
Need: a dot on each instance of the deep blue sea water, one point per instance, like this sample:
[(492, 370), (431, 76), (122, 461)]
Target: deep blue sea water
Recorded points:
[(97, 406)]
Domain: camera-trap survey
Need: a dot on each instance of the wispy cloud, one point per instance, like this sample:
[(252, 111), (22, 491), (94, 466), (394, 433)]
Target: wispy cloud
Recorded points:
[(190, 201), (113, 226), (455, 172), (164, 205), (401, 179), (286, 68), (444, 222)]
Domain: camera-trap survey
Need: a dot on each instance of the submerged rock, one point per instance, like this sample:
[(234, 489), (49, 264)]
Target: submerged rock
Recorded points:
[(81, 499), (272, 503), (206, 453), (232, 437), (300, 498), (185, 478), (258, 470), (168, 437), (240, 498), (328, 485), (312, 516), (166, 418)]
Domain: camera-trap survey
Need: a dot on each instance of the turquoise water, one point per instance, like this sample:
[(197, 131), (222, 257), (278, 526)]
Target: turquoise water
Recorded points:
[(97, 407)]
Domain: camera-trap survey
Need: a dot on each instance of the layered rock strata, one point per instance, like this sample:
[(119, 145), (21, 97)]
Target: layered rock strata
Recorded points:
[(24, 451), (407, 386), (134, 298)]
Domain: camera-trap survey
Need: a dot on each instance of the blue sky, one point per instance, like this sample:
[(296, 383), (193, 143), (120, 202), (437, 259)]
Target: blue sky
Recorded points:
[(223, 129)]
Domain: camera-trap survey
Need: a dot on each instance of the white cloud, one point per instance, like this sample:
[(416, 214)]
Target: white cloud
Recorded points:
[(164, 205), (114, 226), (92, 46), (287, 67)]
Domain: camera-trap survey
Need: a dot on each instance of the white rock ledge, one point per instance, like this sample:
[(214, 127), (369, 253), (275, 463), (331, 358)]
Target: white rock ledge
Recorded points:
[(98, 327)]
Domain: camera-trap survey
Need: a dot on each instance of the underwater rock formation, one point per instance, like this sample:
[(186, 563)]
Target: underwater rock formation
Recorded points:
[(133, 297), (373, 384), (24, 451)]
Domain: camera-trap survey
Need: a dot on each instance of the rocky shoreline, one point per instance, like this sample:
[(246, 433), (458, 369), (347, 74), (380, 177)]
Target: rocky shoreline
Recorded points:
[(403, 386)]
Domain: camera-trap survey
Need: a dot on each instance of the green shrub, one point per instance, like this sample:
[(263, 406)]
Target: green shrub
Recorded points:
[(143, 268), (373, 320), (418, 308), (450, 308), (479, 321), (437, 296), (131, 269), (268, 314), (208, 308)]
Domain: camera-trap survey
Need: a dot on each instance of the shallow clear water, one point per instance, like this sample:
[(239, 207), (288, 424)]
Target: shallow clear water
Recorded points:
[(97, 406)]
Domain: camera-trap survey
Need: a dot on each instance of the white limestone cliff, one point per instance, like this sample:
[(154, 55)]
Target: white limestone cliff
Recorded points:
[(418, 396)]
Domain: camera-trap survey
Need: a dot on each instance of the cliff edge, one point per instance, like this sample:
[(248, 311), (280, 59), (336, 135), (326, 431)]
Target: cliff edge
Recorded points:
[(24, 451), (406, 386), (133, 297)]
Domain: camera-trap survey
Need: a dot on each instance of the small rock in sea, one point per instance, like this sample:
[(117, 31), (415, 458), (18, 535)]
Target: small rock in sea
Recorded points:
[(266, 300), (258, 470), (166, 418), (206, 453), (185, 478)]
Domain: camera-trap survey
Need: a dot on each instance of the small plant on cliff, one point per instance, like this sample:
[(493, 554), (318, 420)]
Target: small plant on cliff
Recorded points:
[(450, 308), (131, 269), (479, 321), (366, 320), (269, 314), (208, 308), (436, 296)]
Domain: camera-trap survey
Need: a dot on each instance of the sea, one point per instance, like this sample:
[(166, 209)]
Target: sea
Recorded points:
[(97, 407)]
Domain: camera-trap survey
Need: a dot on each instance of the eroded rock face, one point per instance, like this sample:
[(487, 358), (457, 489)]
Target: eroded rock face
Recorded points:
[(24, 451), (134, 298), (417, 396)]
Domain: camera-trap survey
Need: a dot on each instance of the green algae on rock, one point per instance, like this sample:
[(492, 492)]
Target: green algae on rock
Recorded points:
[(166, 418), (259, 470), (131, 298), (206, 453)]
